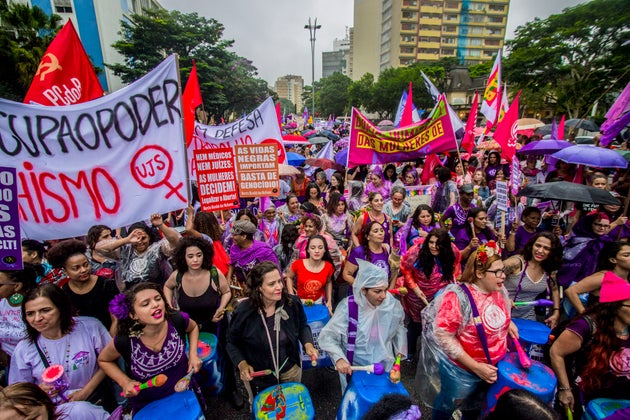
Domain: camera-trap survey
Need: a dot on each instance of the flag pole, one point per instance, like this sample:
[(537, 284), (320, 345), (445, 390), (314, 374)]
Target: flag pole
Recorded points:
[(181, 106)]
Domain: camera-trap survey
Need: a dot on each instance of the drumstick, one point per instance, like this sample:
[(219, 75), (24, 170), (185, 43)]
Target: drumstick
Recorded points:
[(400, 291), (156, 381), (472, 227), (569, 414), (525, 361), (261, 373), (394, 374), (376, 368), (539, 302), (313, 360)]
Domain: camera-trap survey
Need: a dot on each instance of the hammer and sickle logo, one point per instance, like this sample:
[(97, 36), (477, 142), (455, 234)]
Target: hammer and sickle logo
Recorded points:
[(47, 66)]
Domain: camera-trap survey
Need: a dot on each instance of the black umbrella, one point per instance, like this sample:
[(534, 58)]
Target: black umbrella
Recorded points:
[(587, 125), (569, 191)]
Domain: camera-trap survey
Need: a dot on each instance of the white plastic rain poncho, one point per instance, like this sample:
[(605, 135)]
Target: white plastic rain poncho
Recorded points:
[(381, 333)]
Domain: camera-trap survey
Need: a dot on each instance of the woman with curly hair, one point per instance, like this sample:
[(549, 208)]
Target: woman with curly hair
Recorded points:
[(206, 225), (476, 232), (427, 268), (156, 336), (600, 340), (372, 249), (531, 275), (417, 227)]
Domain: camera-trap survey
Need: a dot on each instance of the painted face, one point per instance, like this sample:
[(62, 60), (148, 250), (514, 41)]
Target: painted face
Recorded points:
[(622, 258), (375, 296), (149, 308), (397, 199), (434, 248), (425, 218), (532, 220), (493, 279), (541, 249), (42, 315), (310, 228), (316, 249), (377, 202), (481, 220), (78, 268), (143, 244), (194, 257), (293, 205), (601, 227), (7, 286), (600, 183), (271, 287), (377, 233)]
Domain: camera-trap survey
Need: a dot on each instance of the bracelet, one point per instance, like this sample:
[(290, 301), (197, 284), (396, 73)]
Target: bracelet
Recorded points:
[(564, 388)]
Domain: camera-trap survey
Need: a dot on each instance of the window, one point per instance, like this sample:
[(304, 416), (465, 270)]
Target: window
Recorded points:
[(408, 15), (473, 42), (451, 18), (449, 28), (495, 19), (408, 26), (477, 6), (407, 50), (63, 6), (497, 8), (493, 42), (448, 51), (476, 30), (448, 40)]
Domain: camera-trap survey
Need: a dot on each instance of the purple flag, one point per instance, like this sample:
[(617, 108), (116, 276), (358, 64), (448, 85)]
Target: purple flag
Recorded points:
[(621, 106), (554, 130), (614, 129), (11, 256)]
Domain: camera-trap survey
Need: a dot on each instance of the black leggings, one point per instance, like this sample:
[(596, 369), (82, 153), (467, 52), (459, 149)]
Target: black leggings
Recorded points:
[(414, 331)]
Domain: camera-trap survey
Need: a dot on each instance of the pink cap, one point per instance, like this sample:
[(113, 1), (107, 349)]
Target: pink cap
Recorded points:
[(614, 288)]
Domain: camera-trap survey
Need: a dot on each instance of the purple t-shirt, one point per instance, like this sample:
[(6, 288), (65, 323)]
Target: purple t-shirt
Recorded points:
[(457, 214), (380, 260), (521, 238), (243, 260)]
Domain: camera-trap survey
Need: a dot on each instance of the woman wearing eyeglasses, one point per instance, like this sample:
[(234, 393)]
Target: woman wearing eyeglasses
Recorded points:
[(600, 342), (459, 351), (531, 276)]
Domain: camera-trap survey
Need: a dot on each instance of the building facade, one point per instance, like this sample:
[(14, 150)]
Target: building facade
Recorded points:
[(394, 33), (98, 22), (290, 87), (336, 60)]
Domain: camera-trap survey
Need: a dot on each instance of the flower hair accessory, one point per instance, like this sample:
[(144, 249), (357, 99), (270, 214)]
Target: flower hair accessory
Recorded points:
[(486, 251), (119, 307)]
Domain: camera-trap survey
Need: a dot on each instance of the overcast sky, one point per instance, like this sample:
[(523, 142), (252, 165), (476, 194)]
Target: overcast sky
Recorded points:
[(271, 32)]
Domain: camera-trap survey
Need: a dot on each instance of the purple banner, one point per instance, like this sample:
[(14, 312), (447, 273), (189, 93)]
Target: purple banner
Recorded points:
[(10, 244)]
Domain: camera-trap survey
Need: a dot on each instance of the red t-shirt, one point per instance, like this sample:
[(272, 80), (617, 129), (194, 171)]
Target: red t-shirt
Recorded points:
[(311, 285)]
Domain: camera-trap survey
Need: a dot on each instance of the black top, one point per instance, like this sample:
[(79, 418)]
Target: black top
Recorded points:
[(201, 309), (94, 303), (247, 339)]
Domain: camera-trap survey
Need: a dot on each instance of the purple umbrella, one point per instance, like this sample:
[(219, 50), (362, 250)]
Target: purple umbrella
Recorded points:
[(342, 157), (585, 154), (543, 147), (343, 142)]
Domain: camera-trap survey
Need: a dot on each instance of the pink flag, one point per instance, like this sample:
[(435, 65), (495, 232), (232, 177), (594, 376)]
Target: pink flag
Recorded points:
[(491, 104), (407, 115), (561, 128), (506, 133), (468, 142)]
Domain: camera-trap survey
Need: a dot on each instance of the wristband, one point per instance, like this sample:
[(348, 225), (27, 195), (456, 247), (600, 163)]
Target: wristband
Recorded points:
[(564, 388)]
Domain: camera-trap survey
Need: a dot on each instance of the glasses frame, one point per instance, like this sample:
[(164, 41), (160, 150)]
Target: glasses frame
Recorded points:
[(496, 272)]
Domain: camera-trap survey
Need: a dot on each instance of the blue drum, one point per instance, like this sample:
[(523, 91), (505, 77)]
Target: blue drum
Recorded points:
[(180, 405), (290, 400), (316, 316), (363, 391), (538, 379), (602, 408), (210, 376), (532, 336)]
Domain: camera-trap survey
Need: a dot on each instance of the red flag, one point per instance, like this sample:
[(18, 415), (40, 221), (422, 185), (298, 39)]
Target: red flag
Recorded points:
[(561, 128), (407, 115), (279, 115), (65, 75), (505, 133), (468, 142), (430, 163), (191, 99)]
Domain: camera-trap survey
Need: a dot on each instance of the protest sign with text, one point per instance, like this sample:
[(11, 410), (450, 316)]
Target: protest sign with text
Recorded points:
[(216, 179), (259, 126), (257, 169), (112, 161), (369, 145), (10, 244), (503, 201)]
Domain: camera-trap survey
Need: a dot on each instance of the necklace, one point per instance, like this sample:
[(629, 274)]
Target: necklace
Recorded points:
[(622, 332), (67, 354)]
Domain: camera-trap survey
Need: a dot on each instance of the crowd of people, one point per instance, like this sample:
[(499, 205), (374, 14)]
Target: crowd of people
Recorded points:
[(121, 305)]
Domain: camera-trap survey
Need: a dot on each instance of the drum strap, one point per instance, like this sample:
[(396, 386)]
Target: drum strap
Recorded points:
[(477, 321), (353, 320)]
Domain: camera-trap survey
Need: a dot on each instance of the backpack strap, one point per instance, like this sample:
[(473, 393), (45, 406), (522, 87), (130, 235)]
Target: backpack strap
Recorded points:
[(477, 321), (353, 321)]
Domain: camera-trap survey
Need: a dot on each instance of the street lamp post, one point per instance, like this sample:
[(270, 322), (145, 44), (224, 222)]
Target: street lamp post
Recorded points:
[(312, 28)]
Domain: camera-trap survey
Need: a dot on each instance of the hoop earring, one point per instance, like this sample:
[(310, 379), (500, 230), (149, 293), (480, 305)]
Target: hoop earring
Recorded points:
[(16, 298)]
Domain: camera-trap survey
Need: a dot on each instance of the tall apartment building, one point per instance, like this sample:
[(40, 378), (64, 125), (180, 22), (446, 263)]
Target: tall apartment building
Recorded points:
[(394, 33), (337, 59), (97, 22), (290, 87)]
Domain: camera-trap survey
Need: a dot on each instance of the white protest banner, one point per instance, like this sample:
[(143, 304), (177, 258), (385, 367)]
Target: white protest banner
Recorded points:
[(113, 160), (216, 179), (502, 196), (10, 244), (516, 176), (419, 194), (257, 168), (259, 126)]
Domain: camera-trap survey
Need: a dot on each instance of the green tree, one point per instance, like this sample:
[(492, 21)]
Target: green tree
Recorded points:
[(332, 95), (360, 92), (286, 106), (25, 35), (573, 57), (228, 82)]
